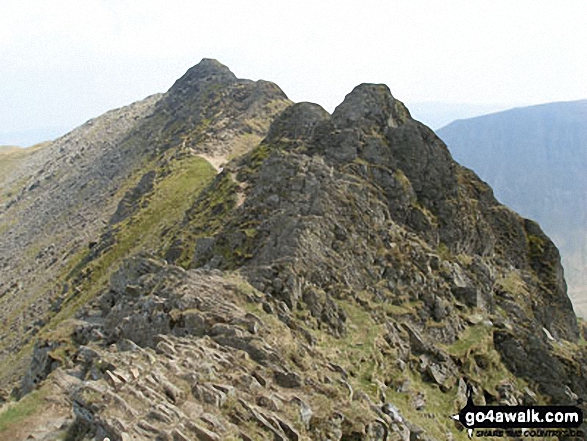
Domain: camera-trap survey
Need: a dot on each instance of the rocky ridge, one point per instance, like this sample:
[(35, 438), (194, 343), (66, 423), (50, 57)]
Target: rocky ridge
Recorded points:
[(342, 278), (57, 198)]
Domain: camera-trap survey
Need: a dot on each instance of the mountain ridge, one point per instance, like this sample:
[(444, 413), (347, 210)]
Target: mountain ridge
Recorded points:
[(341, 277), (580, 102), (128, 140)]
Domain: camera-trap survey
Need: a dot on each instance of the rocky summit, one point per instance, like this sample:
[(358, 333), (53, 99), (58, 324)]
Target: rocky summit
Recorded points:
[(219, 263)]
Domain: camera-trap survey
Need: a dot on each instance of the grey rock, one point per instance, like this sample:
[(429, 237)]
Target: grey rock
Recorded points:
[(289, 380)]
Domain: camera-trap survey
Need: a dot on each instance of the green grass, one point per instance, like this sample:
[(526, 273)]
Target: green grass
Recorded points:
[(207, 215), (471, 337), (253, 160), (171, 197), (16, 413), (514, 284), (359, 352), (480, 360), (440, 405), (404, 309), (443, 251), (536, 246)]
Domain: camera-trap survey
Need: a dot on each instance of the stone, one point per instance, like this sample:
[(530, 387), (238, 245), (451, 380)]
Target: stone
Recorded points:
[(305, 411), (201, 432), (178, 435), (329, 244), (419, 401), (291, 433), (289, 380), (113, 380), (260, 378), (209, 394), (268, 403), (277, 432)]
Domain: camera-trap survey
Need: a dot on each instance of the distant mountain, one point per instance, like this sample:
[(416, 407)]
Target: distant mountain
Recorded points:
[(437, 114), (535, 158)]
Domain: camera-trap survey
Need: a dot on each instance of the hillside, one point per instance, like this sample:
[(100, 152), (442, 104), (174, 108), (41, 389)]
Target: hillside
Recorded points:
[(219, 263), (535, 160), (6, 148)]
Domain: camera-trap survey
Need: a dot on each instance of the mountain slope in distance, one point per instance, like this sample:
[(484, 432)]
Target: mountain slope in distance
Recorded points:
[(535, 159)]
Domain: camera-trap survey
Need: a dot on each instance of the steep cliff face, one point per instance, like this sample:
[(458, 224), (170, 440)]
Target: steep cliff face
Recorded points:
[(334, 196), (341, 278), (534, 158)]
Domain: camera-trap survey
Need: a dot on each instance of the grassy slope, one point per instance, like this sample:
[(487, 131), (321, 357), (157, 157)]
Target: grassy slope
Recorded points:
[(171, 197)]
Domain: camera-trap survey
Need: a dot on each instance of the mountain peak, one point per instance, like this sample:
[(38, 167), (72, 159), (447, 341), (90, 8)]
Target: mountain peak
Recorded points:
[(297, 121), (206, 71), (334, 253), (211, 65), (369, 102)]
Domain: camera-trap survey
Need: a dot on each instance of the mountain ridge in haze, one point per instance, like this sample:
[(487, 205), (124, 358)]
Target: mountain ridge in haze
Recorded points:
[(437, 114)]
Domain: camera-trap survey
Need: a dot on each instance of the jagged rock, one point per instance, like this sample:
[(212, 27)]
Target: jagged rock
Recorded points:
[(179, 435), (262, 420), (393, 412), (305, 411), (268, 403), (529, 397), (87, 355), (330, 428), (417, 344), (291, 433), (289, 380), (209, 394), (419, 401), (114, 381), (339, 256), (42, 364)]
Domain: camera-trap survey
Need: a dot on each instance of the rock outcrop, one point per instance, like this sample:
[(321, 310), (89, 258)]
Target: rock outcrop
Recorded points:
[(534, 158), (341, 279), (55, 199)]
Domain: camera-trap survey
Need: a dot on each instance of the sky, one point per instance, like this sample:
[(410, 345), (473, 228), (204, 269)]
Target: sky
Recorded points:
[(63, 62)]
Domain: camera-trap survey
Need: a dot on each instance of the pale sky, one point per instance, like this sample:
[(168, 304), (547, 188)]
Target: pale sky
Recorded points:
[(64, 61)]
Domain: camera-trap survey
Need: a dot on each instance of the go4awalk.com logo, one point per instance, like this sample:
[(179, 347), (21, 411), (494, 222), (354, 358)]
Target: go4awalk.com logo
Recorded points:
[(520, 421)]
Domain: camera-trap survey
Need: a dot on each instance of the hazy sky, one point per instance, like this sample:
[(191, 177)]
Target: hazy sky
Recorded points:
[(64, 61)]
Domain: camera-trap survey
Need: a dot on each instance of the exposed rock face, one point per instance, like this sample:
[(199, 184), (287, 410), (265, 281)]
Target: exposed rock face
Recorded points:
[(56, 198), (329, 209), (213, 112), (343, 280), (534, 158)]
